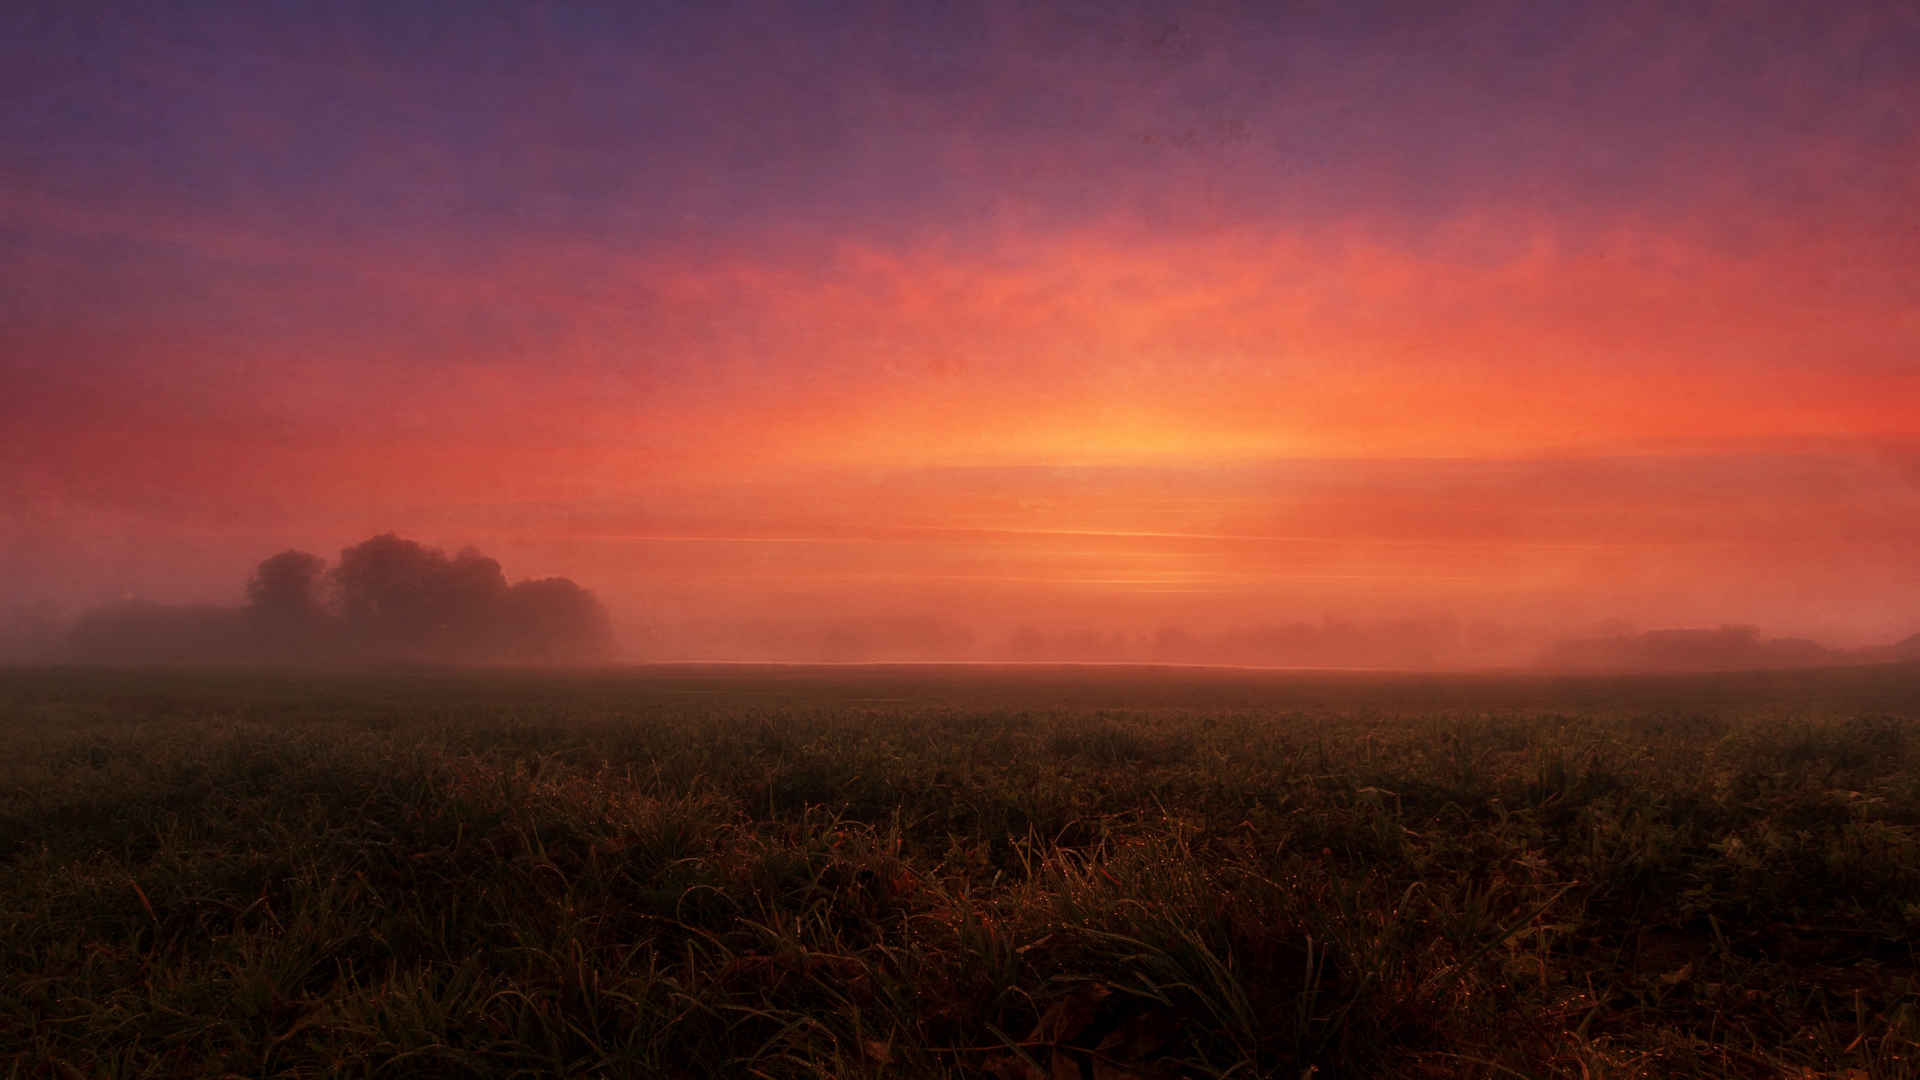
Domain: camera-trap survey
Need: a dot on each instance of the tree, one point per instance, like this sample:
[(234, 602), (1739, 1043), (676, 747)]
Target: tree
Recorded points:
[(285, 588), (392, 595), (286, 611), (402, 600), (553, 619)]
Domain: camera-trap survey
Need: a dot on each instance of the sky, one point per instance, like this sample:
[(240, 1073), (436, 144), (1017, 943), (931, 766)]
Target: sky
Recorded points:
[(1079, 318)]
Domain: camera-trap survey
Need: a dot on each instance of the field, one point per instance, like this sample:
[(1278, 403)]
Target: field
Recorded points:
[(913, 872)]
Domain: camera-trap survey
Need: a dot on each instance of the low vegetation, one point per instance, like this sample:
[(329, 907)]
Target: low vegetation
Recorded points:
[(921, 873)]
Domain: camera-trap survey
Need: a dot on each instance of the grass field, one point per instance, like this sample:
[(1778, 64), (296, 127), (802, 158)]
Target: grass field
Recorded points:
[(909, 872)]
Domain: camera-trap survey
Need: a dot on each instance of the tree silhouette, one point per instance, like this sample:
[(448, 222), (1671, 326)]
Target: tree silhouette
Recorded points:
[(389, 599), (286, 611), (286, 588), (402, 600), (555, 619)]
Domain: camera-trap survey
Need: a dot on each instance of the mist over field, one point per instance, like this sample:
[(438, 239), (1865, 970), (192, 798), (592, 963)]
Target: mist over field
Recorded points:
[(423, 608), (1681, 561)]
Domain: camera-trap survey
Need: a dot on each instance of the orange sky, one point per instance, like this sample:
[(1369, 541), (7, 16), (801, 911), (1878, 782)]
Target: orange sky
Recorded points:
[(1600, 344)]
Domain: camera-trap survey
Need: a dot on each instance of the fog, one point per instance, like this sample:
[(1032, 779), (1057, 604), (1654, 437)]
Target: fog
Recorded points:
[(390, 600), (1421, 564)]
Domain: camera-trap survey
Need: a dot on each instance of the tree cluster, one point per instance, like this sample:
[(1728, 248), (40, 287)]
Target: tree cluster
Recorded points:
[(388, 599)]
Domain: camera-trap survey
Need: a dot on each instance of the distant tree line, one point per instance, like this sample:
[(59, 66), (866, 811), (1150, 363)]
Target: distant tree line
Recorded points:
[(388, 600), (1726, 648)]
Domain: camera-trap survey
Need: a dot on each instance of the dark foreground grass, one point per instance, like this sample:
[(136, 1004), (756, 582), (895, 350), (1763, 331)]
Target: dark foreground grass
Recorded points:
[(899, 873)]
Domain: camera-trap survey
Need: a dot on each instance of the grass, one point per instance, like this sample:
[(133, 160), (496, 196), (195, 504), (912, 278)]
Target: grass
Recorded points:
[(920, 873)]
